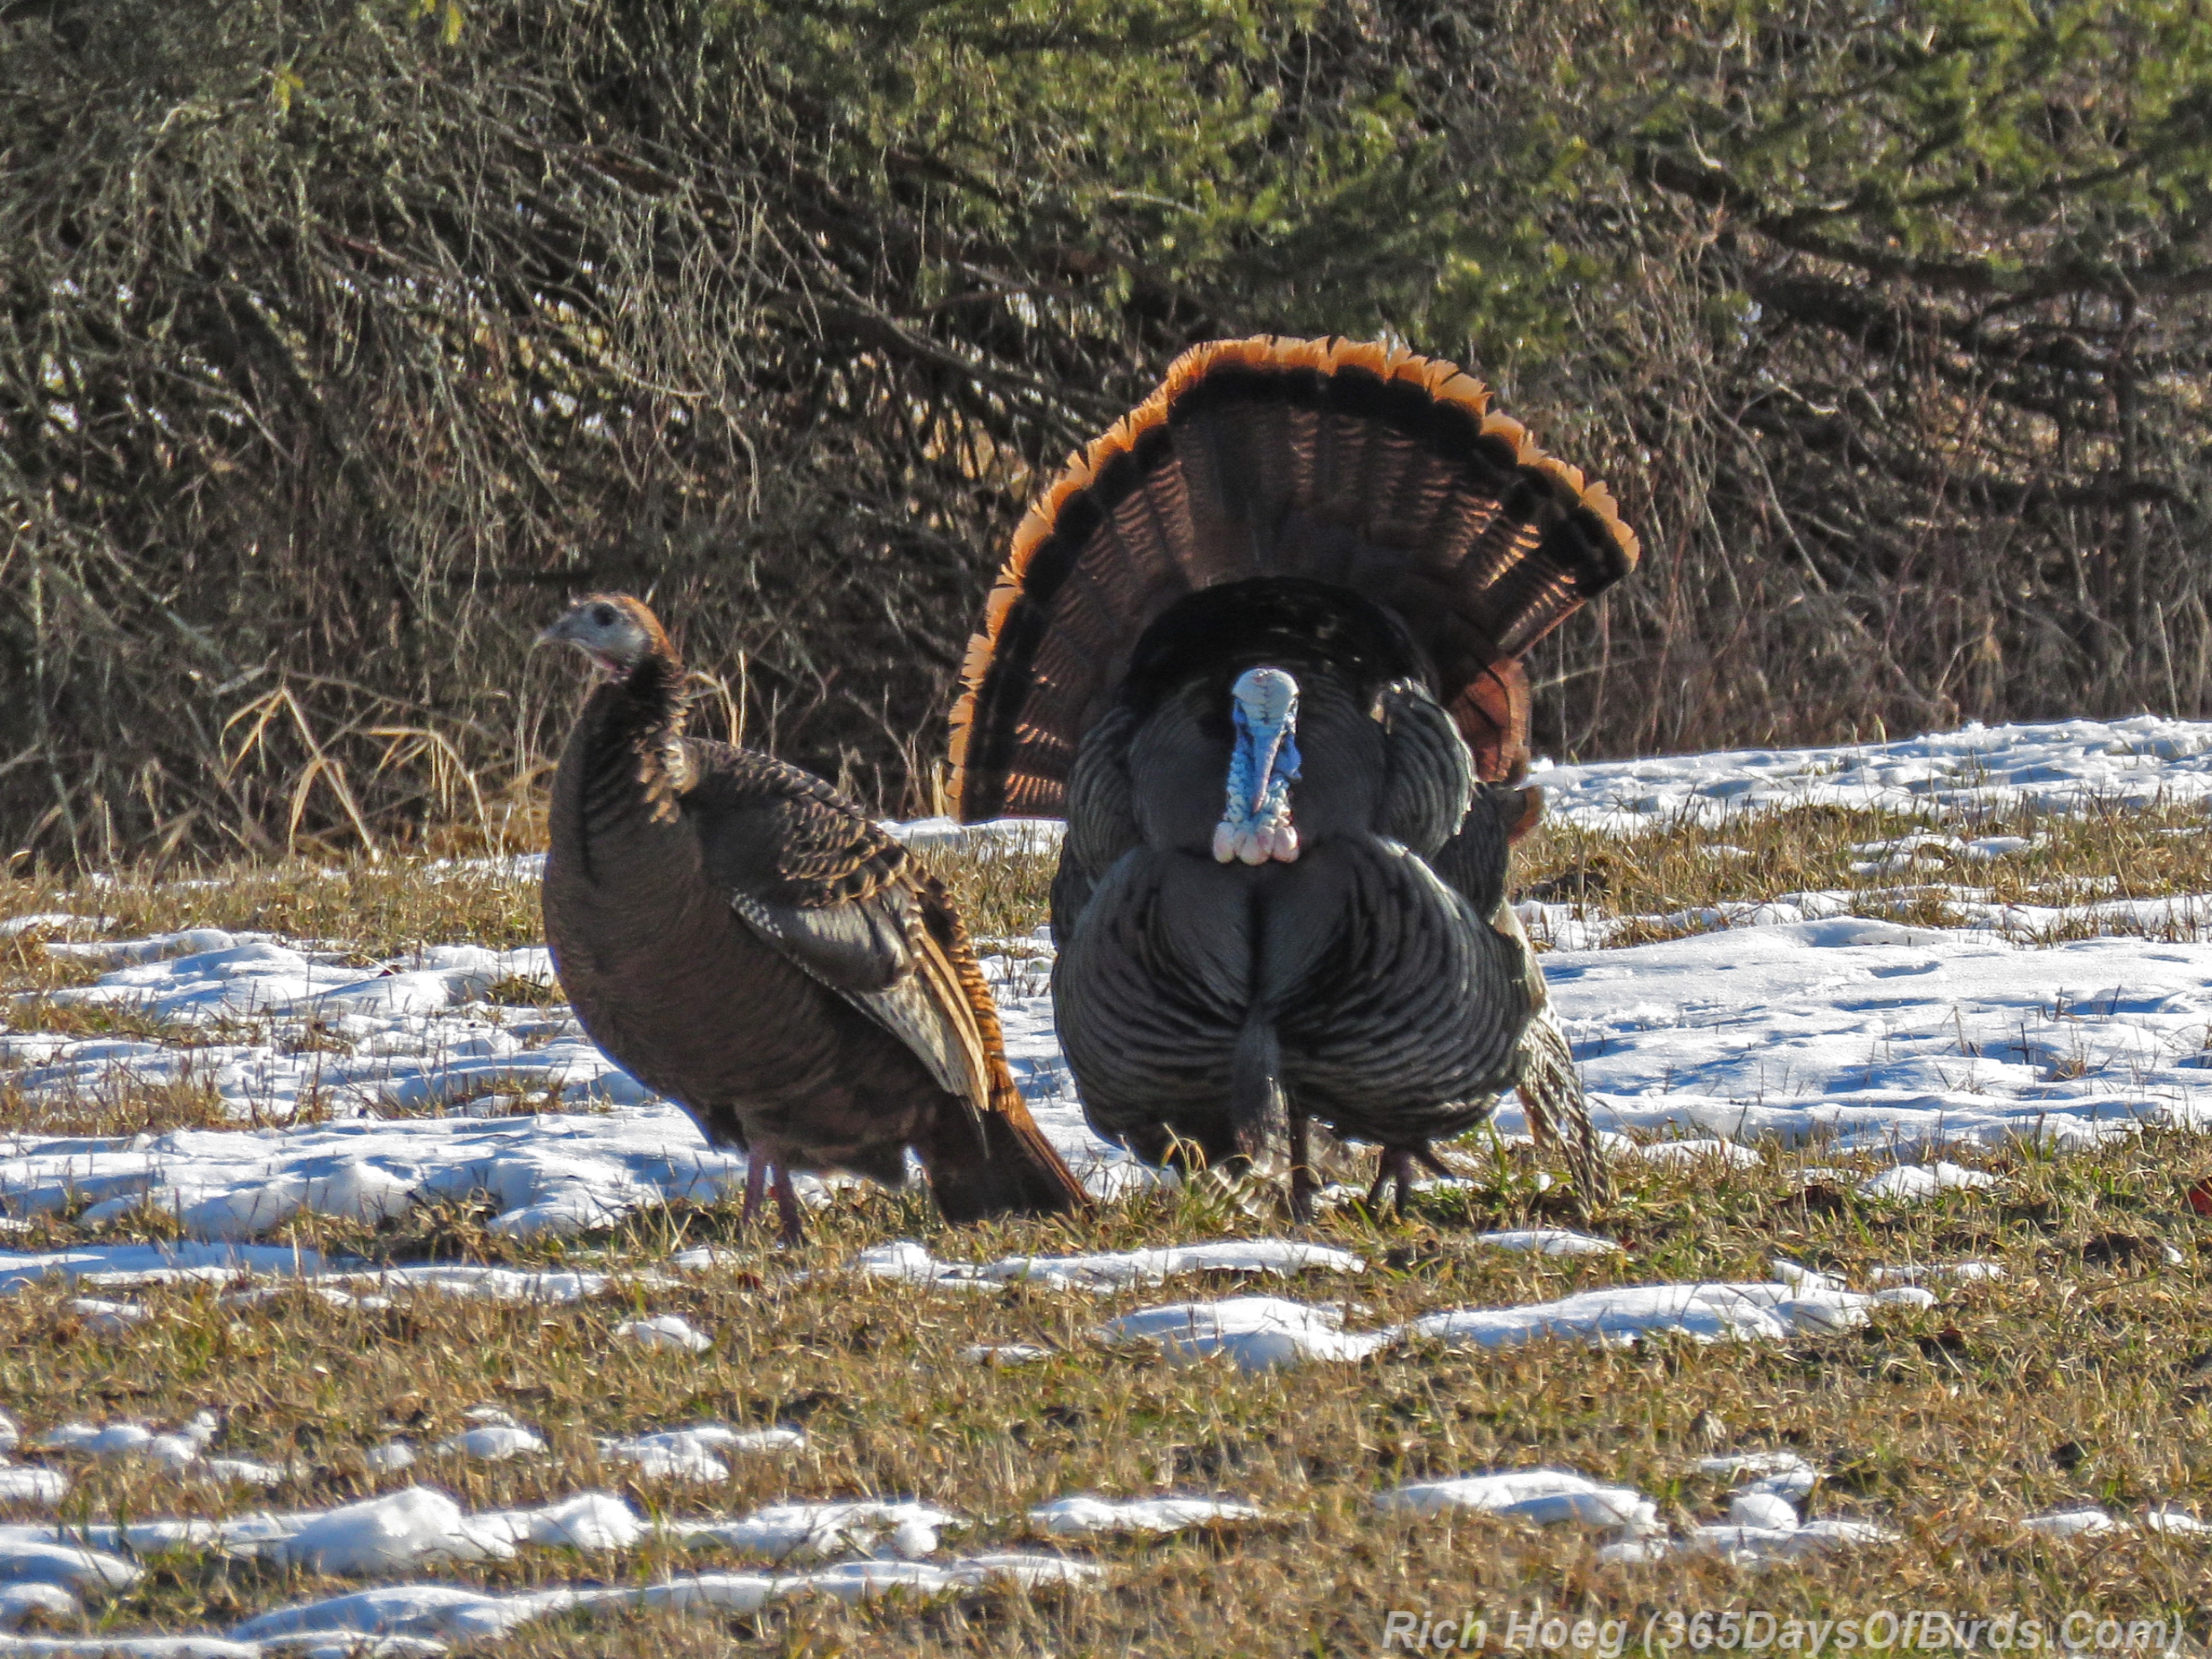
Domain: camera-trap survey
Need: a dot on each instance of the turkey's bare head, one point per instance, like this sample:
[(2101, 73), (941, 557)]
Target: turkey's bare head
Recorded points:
[(1255, 824), (616, 631)]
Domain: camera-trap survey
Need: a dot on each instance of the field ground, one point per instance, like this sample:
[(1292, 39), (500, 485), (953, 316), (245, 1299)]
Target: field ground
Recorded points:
[(2079, 1377)]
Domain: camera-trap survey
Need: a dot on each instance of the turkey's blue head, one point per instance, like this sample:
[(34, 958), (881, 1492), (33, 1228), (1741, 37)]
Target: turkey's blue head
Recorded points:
[(1256, 826)]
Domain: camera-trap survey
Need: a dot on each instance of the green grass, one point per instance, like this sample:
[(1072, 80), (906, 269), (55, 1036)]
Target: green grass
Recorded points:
[(2083, 1377)]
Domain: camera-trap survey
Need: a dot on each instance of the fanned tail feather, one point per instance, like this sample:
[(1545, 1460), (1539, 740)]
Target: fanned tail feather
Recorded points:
[(1357, 464)]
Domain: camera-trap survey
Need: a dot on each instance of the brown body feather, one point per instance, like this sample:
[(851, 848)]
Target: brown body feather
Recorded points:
[(745, 941)]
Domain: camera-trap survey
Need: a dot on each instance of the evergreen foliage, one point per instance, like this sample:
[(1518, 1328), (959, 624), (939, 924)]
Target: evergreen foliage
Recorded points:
[(341, 342)]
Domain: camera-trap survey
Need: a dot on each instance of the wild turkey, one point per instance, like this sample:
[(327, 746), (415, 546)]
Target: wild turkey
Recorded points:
[(1298, 579), (738, 936)]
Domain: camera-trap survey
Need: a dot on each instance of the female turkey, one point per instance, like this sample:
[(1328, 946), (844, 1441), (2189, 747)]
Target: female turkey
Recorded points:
[(738, 936), (1260, 646)]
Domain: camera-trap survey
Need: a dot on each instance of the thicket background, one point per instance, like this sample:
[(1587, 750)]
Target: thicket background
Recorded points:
[(342, 340)]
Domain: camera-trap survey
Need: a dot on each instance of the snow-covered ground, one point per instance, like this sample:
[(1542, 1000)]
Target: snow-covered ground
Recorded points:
[(360, 1093), (1878, 1036), (1791, 1022), (1886, 1037), (2061, 766)]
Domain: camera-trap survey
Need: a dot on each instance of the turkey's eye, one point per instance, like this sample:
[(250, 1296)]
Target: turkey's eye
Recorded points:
[(604, 615)]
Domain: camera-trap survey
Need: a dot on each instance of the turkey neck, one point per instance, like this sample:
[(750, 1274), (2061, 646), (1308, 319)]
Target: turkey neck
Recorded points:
[(625, 764), (1180, 755)]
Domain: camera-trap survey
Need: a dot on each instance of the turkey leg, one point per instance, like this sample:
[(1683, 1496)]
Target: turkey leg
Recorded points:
[(787, 1205), (1303, 1183)]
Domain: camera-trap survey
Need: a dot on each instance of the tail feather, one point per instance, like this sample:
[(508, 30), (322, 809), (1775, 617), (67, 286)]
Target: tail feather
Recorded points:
[(1259, 1115), (1492, 713), (1356, 465), (998, 1164), (1559, 1111), (991, 1159)]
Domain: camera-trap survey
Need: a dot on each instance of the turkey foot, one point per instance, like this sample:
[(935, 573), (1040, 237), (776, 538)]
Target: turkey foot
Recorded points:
[(1396, 1167)]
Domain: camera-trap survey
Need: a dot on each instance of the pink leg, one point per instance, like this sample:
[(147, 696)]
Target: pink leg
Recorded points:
[(786, 1204), (756, 1179)]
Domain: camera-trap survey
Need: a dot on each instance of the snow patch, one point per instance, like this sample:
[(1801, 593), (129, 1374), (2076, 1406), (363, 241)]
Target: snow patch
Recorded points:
[(2072, 1523), (99, 1318), (450, 1612), (812, 1531), (72, 1567), (2062, 766), (1708, 1312), (1915, 1183), (1083, 1514), (21, 1602), (1258, 1332), (1261, 1333), (29, 1486), (697, 1453), (1542, 1497), (666, 1331), (908, 1263), (1549, 1241), (1002, 1355), (1919, 1273), (492, 1443), (1706, 1151), (1905, 1042)]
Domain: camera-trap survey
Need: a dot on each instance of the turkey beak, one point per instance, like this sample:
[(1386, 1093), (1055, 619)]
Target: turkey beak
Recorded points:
[(560, 634)]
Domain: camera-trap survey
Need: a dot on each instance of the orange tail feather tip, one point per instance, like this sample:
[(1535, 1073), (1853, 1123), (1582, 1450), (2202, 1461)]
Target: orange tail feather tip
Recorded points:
[(992, 1159), (994, 721)]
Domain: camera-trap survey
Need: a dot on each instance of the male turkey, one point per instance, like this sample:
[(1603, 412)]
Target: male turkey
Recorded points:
[(1259, 644), (736, 934)]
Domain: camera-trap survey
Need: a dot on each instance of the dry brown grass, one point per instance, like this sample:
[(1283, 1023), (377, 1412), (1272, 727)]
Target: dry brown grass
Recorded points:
[(2066, 1382), (1002, 895), (2077, 1379), (1661, 880)]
